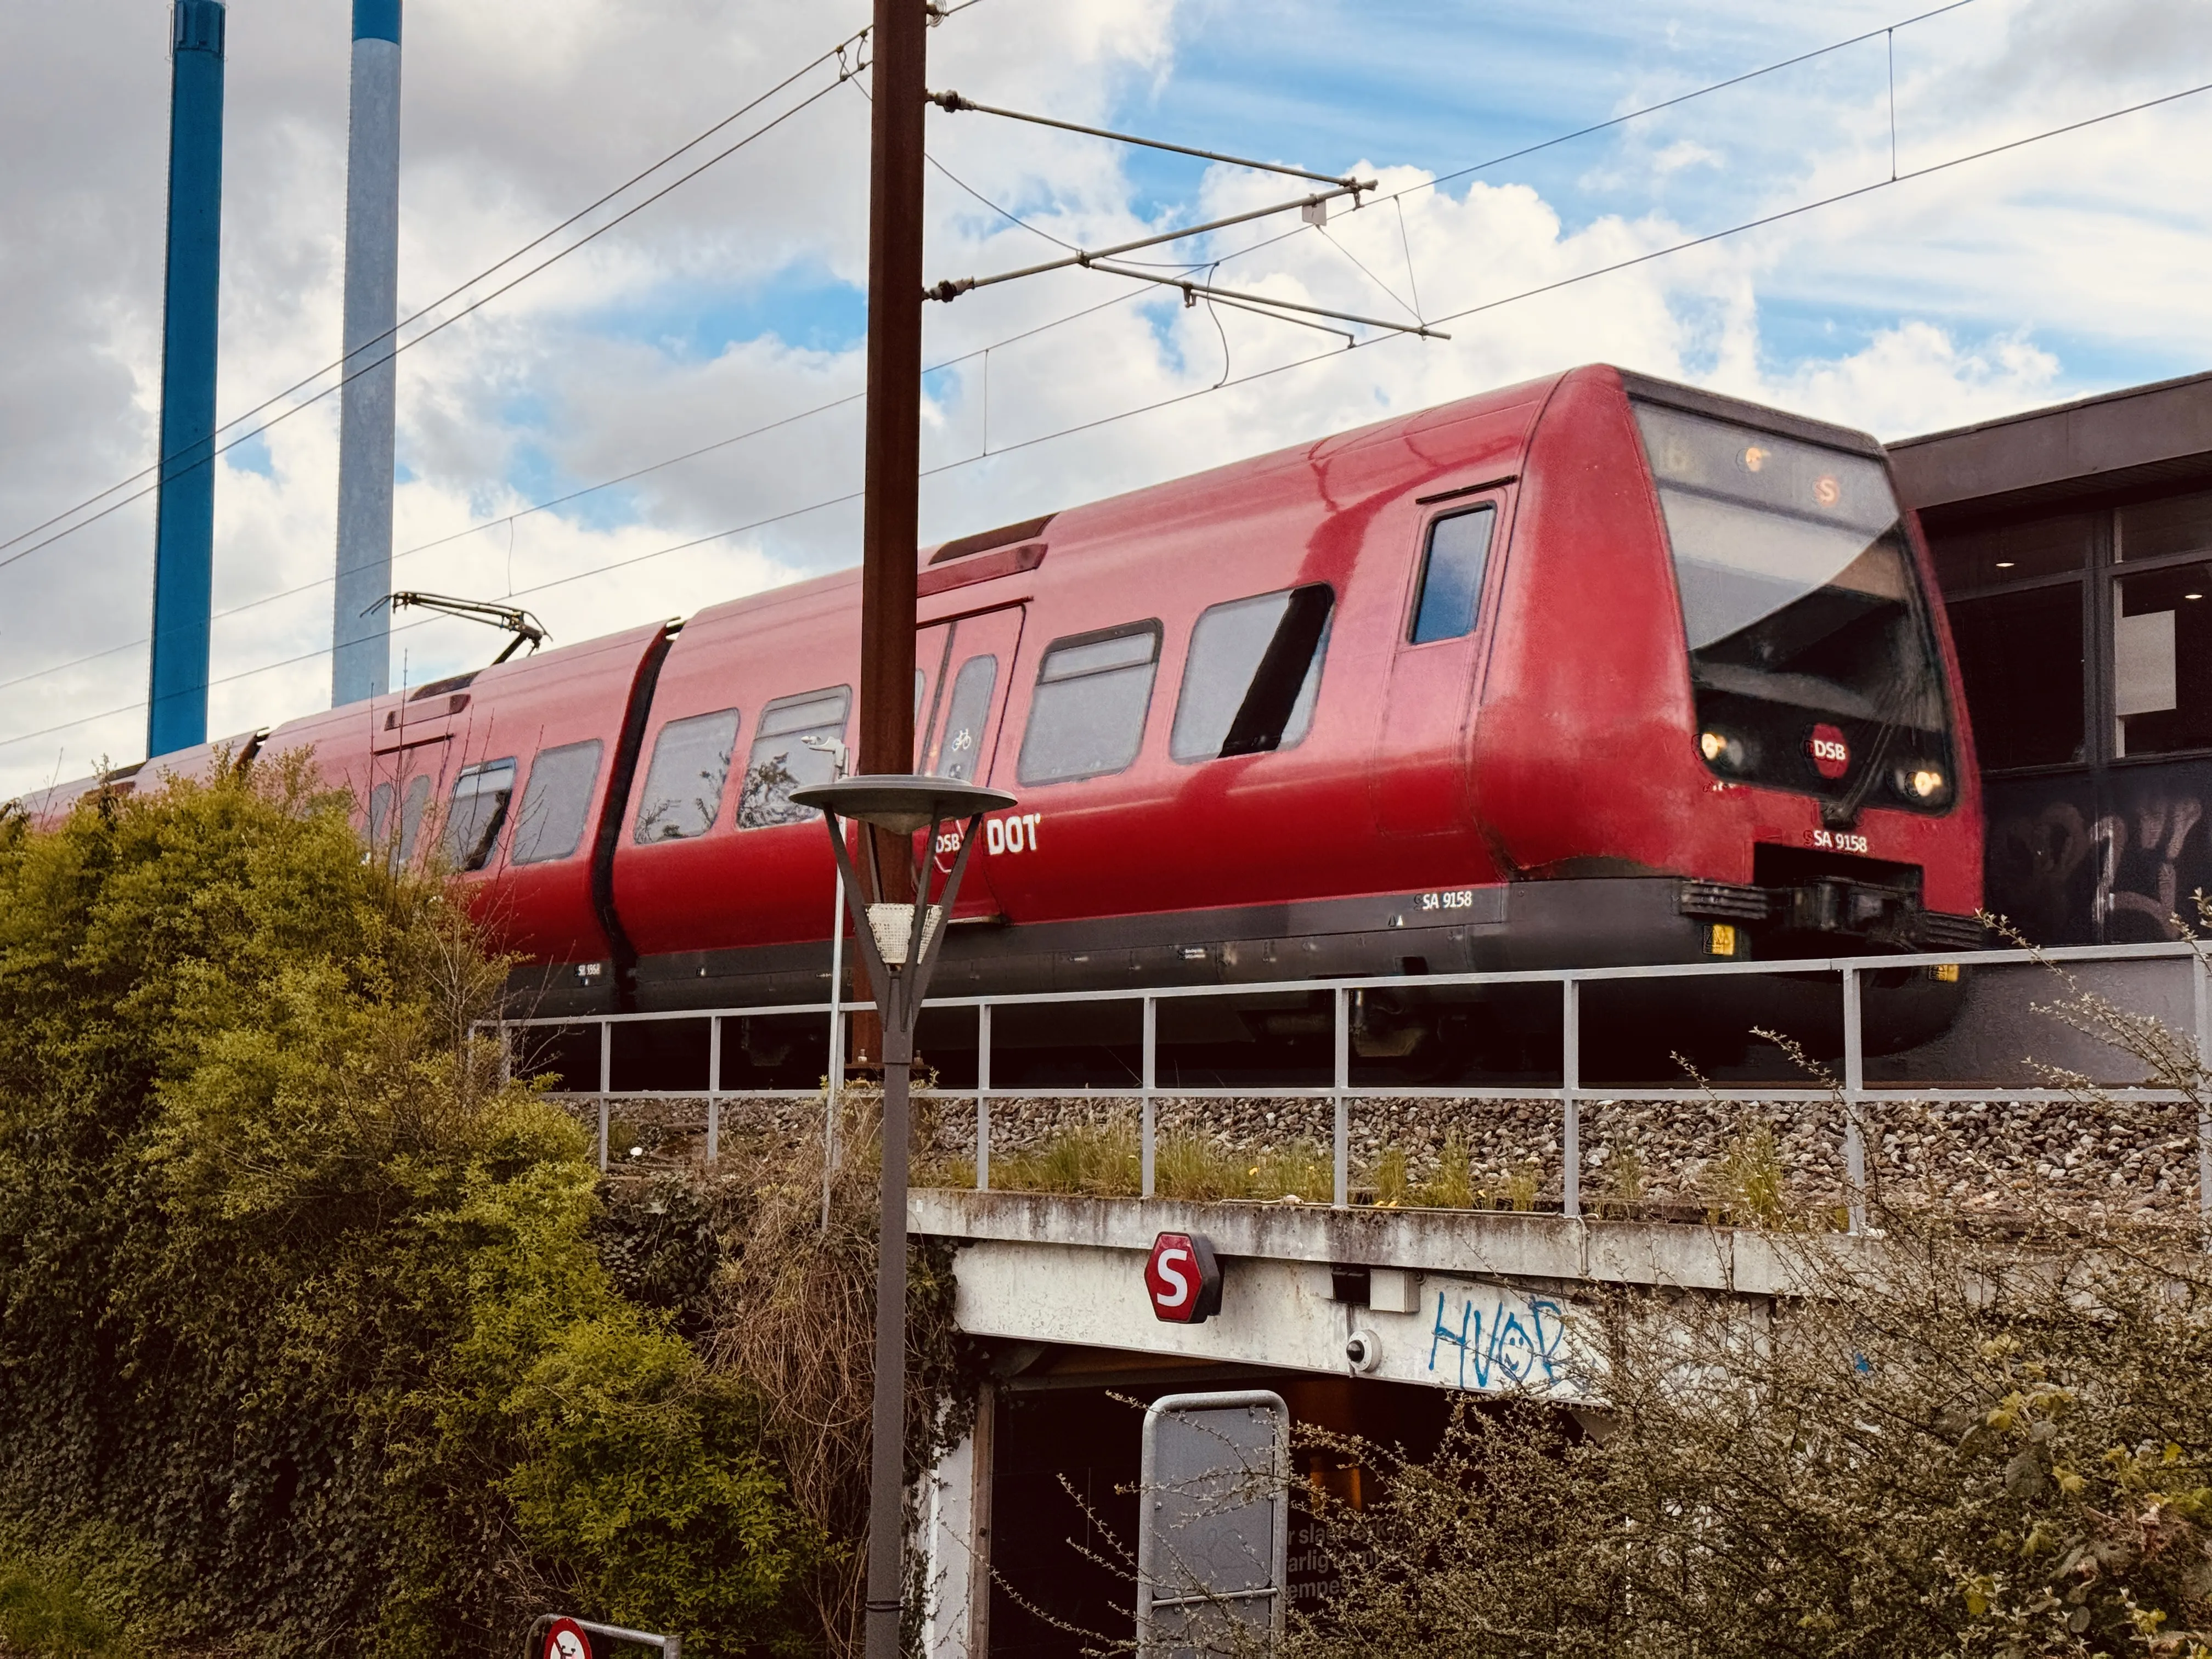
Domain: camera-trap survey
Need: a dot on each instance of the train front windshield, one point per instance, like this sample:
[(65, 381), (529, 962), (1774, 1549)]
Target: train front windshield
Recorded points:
[(1811, 649)]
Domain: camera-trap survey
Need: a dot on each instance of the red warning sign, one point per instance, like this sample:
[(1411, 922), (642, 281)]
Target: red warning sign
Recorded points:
[(567, 1640), (1182, 1278)]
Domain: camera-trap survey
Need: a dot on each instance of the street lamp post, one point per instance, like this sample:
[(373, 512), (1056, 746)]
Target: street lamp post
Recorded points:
[(901, 946)]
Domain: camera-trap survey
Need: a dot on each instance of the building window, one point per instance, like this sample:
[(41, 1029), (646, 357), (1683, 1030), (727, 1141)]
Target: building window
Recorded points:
[(1093, 690), (2155, 530), (782, 760), (2020, 657), (2162, 660), (1253, 674), (1451, 575), (477, 811), (2020, 597), (2016, 596), (556, 802), (683, 785), (2015, 552)]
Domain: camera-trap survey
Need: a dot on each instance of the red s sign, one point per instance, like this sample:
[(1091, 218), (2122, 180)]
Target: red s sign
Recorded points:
[(1182, 1278)]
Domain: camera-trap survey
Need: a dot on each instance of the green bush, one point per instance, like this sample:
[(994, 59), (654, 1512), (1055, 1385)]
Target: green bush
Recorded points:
[(305, 1342)]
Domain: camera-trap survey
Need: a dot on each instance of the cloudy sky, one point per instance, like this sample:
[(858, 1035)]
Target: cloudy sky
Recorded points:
[(730, 313)]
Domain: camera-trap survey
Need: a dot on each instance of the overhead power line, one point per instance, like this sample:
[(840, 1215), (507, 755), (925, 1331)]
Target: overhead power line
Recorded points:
[(1802, 208), (1188, 266), (939, 13), (1485, 306), (635, 473), (1295, 364), (834, 54)]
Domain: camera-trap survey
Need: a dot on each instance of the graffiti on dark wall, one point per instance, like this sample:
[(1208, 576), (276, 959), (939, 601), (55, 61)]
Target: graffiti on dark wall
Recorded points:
[(2077, 859)]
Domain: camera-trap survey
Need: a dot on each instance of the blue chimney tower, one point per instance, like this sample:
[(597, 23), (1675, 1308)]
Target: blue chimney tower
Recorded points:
[(184, 533)]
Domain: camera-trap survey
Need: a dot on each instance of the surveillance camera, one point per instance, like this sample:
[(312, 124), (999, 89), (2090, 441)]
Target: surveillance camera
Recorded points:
[(1362, 1350)]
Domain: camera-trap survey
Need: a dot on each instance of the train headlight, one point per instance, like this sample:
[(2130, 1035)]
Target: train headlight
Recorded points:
[(1922, 784), (1723, 750)]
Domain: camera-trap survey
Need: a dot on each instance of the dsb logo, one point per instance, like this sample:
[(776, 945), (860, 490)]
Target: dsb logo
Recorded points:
[(1184, 1279), (1832, 754)]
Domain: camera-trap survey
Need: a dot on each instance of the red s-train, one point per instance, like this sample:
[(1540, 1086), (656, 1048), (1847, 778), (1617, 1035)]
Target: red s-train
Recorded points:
[(1593, 670)]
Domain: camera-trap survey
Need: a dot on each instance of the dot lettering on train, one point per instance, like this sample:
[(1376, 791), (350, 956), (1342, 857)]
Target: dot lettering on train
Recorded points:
[(1014, 834), (1755, 458), (1831, 754), (1827, 492)]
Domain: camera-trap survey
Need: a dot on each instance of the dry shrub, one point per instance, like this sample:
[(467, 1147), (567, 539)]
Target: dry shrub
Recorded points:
[(793, 1315), (1970, 1432), (1949, 1442)]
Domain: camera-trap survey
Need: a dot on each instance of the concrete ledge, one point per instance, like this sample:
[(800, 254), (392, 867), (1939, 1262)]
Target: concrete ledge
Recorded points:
[(1489, 1245)]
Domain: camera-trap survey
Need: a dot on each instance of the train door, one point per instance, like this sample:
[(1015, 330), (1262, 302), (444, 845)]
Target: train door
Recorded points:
[(1419, 778), (959, 731), (931, 646), (406, 790)]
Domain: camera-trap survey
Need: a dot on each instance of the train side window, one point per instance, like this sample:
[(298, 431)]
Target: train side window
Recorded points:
[(781, 760), (965, 720), (477, 811), (1093, 691), (556, 802), (412, 808), (1451, 575), (380, 814), (683, 785), (1253, 673)]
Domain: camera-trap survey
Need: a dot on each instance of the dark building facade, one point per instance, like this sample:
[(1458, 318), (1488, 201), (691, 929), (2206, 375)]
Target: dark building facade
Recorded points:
[(2074, 545)]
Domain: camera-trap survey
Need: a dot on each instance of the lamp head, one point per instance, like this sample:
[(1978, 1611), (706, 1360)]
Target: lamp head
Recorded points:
[(901, 803)]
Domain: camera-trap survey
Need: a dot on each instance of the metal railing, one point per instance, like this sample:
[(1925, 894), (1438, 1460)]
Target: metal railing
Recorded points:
[(1853, 1090)]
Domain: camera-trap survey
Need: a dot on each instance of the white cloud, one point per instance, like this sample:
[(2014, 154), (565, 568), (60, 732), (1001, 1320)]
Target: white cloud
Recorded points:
[(728, 306)]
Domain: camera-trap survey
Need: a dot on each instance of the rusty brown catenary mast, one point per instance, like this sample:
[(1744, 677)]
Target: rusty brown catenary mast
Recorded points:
[(891, 529)]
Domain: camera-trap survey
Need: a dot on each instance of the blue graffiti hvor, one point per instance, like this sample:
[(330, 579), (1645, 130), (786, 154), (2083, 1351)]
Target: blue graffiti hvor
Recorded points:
[(1503, 1345)]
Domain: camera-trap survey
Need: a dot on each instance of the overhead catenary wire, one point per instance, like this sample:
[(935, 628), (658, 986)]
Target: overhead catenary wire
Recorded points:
[(685, 546), (1394, 197), (1802, 208), (941, 12), (510, 518), (950, 290), (1173, 399), (833, 53), (951, 103), (1253, 302)]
